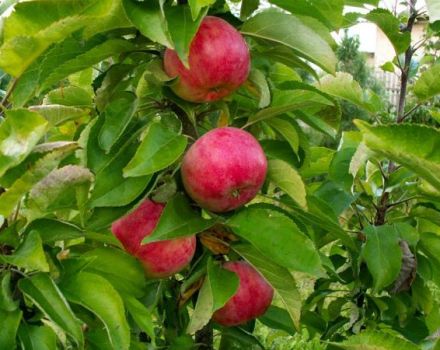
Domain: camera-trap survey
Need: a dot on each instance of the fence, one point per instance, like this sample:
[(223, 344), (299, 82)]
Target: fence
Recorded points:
[(391, 83)]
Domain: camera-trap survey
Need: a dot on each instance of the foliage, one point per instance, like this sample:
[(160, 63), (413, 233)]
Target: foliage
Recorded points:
[(349, 238)]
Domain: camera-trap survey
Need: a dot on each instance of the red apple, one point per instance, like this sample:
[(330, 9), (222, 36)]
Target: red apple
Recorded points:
[(160, 259), (219, 63), (224, 169), (253, 297)]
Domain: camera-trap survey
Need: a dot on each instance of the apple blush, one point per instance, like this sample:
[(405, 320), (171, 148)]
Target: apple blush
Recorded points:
[(253, 297), (160, 259), (224, 169), (219, 63)]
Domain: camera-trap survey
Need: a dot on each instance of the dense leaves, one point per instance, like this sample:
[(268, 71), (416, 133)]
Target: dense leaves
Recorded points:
[(345, 227)]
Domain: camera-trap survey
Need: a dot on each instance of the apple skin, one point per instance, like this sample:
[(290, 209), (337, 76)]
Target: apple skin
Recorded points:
[(219, 62), (253, 297), (160, 259), (224, 169)]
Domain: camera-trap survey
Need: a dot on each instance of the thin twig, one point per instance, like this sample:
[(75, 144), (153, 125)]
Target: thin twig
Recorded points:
[(407, 114), (8, 93)]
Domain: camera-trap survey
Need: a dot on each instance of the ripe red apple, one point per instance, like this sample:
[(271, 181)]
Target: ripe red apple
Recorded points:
[(224, 169), (160, 259), (253, 297), (219, 63)]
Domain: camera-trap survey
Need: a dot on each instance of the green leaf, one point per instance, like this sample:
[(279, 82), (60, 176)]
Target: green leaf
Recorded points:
[(257, 83), (287, 56), (276, 149), (197, 5), (388, 67), (287, 179), (36, 25), (111, 187), (271, 112), (281, 73), (433, 10), (323, 220), (36, 173), (29, 255), (178, 219), (59, 188), (331, 193), (148, 18), (248, 7), (382, 254), (328, 12), (159, 149), (416, 147), (7, 302), (219, 286), (343, 86), (289, 30), (375, 340), (182, 29), (118, 114), (141, 315), (238, 338), (19, 133), (40, 69), (278, 277), (278, 318), (57, 114), (362, 3), (44, 293), (122, 270), (276, 236), (69, 96), (95, 55), (428, 85), (96, 294), (319, 162), (430, 244), (390, 26), (8, 330), (54, 230), (287, 129), (37, 337), (113, 18), (339, 170)]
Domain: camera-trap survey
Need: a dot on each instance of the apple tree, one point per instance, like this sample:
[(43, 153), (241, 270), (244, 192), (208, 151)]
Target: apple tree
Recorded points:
[(164, 184)]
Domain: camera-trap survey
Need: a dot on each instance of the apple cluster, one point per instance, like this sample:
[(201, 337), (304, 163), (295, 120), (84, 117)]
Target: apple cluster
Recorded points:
[(223, 170)]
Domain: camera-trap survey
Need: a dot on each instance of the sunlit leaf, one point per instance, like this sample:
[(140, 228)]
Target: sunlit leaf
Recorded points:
[(178, 219), (288, 179), (416, 147), (160, 148), (428, 84), (19, 133), (29, 255), (43, 291), (276, 236), (96, 294), (289, 30), (148, 17)]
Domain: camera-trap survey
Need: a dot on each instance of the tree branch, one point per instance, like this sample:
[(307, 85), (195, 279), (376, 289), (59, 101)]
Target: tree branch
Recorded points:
[(205, 338), (8, 93), (383, 205)]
